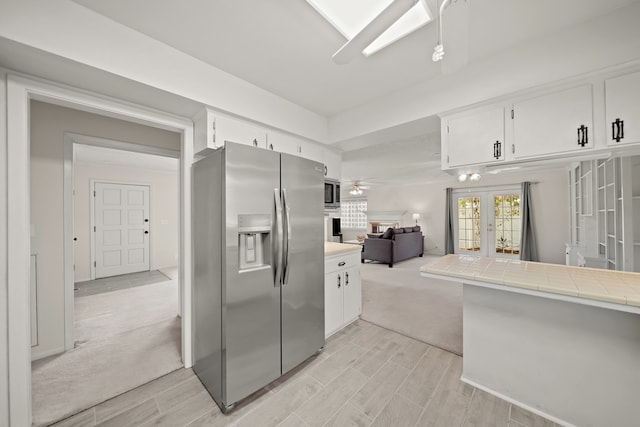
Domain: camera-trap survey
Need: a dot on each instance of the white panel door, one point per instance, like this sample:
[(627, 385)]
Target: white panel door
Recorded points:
[(121, 219)]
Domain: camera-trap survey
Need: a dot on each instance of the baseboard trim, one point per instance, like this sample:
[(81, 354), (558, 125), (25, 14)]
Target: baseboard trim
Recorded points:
[(516, 402), (35, 355)]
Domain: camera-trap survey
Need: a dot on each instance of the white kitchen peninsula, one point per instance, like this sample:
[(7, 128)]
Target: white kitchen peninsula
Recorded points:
[(561, 341)]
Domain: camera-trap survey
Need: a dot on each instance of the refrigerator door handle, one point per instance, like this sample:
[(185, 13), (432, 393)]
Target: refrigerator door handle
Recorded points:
[(287, 239), (276, 243)]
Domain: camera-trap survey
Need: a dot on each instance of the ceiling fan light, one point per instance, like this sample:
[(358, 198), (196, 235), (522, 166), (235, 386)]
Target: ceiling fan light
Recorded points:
[(438, 53), (355, 190)]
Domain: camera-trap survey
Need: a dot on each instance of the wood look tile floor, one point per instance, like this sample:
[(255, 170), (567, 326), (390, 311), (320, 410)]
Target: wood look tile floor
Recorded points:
[(365, 376)]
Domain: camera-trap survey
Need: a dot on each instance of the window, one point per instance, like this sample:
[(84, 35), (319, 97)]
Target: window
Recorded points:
[(352, 214)]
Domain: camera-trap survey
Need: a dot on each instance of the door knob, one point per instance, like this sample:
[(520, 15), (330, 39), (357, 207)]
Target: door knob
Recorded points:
[(146, 220), (146, 232)]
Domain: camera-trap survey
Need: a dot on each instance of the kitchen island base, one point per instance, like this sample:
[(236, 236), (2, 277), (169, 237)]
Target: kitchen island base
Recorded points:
[(573, 363)]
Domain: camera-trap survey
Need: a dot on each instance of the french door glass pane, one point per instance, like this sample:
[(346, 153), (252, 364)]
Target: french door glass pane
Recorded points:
[(507, 223), (469, 224)]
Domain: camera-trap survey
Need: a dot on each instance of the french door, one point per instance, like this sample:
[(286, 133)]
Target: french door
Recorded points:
[(488, 223)]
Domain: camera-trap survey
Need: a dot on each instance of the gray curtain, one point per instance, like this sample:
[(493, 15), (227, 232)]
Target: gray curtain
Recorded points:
[(528, 246), (448, 223)]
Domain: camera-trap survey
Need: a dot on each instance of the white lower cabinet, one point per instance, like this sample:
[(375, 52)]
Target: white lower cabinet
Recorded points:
[(342, 291)]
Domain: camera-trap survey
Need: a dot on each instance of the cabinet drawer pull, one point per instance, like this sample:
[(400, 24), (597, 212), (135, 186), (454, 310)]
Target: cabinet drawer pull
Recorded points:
[(341, 264)]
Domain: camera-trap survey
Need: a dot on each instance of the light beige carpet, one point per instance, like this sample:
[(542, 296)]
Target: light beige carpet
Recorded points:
[(399, 299), (124, 339)]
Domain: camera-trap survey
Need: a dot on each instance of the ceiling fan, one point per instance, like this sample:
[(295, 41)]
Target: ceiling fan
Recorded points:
[(372, 30), (356, 189), (455, 32)]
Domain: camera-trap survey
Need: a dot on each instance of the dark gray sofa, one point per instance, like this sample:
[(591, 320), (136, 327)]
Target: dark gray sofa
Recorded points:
[(396, 244)]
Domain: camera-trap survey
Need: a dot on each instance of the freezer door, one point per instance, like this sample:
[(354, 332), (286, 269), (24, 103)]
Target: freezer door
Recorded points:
[(302, 184), (207, 266), (251, 298)]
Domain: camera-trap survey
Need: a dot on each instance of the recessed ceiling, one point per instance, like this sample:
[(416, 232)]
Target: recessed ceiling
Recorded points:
[(285, 46)]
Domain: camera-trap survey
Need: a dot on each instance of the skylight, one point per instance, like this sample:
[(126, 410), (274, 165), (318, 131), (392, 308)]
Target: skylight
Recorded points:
[(350, 17)]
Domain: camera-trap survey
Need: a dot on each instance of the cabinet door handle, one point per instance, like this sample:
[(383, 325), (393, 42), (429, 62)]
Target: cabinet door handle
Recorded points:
[(255, 142), (341, 264), (497, 149), (346, 279), (339, 284), (618, 133), (583, 135), (271, 147)]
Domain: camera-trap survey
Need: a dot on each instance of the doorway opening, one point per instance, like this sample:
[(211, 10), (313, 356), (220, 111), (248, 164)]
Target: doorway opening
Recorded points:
[(20, 92), (125, 327)]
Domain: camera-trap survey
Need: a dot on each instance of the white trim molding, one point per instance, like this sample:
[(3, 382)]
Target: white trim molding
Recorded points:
[(20, 91)]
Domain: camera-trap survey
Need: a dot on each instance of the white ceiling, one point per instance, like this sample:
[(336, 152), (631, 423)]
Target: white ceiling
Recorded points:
[(285, 46)]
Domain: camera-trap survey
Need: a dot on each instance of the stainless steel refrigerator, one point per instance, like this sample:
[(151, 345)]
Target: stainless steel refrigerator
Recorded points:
[(258, 298)]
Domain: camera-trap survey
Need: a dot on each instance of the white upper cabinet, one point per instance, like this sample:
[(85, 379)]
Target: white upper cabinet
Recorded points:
[(311, 150), (622, 95), (474, 138), (213, 130), (560, 122), (283, 143), (332, 164)]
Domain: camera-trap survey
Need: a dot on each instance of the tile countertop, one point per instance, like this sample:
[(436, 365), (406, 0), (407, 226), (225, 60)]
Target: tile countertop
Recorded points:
[(333, 248), (591, 283)]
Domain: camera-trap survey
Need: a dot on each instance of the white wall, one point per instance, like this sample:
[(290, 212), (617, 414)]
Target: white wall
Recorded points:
[(164, 206), (4, 367), (550, 208), (48, 124), (72, 31)]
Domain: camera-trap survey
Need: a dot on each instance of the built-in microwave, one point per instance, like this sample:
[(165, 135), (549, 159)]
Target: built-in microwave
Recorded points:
[(331, 194)]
